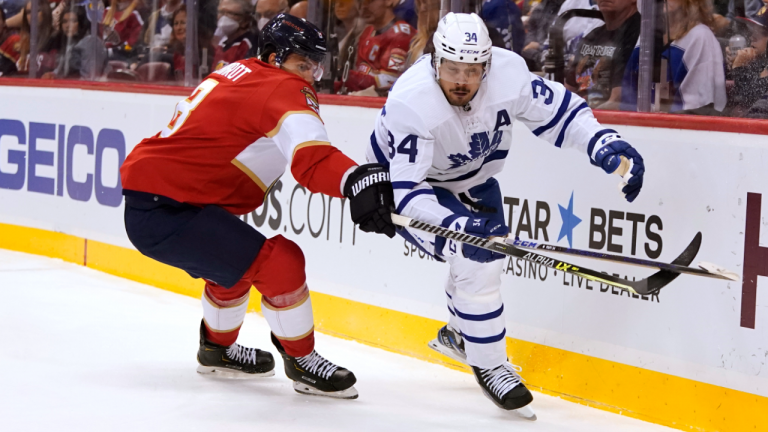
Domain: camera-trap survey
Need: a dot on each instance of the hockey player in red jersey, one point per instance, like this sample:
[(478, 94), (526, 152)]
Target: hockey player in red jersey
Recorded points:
[(381, 49), (225, 146)]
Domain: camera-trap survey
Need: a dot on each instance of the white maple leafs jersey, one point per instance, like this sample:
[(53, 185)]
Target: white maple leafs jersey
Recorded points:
[(427, 142)]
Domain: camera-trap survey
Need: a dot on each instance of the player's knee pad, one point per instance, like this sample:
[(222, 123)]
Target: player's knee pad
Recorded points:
[(281, 270)]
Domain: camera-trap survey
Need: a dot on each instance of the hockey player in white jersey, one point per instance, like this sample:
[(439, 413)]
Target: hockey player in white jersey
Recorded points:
[(445, 131)]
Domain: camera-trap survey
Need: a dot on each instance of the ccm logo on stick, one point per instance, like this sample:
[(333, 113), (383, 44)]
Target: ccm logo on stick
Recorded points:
[(84, 162)]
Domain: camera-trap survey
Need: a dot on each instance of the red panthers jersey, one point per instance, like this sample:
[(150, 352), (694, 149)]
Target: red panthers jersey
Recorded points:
[(232, 138), (380, 56), (10, 48)]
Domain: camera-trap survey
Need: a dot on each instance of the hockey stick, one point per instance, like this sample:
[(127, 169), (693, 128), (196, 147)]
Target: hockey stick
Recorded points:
[(706, 270), (645, 286)]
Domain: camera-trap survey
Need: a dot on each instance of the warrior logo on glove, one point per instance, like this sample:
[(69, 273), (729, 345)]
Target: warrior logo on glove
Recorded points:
[(369, 180), (371, 199)]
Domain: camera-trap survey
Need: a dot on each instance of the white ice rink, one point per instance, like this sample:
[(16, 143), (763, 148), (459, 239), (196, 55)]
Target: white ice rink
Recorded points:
[(86, 351)]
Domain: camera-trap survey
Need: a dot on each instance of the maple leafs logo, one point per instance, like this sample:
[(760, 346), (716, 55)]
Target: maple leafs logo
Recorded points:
[(480, 147)]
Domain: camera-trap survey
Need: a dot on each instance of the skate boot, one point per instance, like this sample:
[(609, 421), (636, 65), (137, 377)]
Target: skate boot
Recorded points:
[(234, 361), (449, 343), (502, 385), (316, 376)]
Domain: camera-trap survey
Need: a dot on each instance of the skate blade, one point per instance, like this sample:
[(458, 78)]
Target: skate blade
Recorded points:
[(231, 373), (448, 352), (350, 393), (526, 412)]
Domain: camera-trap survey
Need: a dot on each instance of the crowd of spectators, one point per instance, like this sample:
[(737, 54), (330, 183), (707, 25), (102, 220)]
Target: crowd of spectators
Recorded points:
[(131, 40), (712, 61)]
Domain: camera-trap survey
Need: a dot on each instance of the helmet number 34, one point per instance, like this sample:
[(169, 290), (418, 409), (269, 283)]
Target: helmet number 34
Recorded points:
[(470, 37)]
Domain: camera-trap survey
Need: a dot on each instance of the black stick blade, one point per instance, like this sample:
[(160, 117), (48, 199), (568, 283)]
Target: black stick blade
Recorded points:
[(662, 278)]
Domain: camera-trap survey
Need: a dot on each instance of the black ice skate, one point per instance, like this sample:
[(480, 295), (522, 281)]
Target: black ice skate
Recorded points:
[(316, 376), (449, 343), (234, 361), (502, 385)]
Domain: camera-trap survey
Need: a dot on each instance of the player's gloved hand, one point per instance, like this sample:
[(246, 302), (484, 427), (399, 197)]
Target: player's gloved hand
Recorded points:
[(485, 228), (371, 200), (609, 156)]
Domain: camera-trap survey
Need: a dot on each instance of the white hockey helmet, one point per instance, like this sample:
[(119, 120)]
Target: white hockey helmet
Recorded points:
[(462, 38)]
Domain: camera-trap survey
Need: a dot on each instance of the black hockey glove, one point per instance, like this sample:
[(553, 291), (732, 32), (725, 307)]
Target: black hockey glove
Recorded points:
[(371, 199)]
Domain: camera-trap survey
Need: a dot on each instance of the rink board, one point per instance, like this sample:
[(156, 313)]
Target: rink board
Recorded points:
[(689, 358)]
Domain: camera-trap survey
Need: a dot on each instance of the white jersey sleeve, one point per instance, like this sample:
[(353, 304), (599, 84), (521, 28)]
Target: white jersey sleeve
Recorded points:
[(558, 116), (701, 74), (410, 146)]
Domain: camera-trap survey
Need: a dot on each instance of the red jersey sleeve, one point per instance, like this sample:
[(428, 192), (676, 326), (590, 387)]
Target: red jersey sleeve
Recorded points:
[(293, 122), (393, 58), (11, 48)]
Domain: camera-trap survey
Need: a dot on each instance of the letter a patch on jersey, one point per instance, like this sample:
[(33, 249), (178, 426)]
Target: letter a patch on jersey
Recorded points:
[(311, 100)]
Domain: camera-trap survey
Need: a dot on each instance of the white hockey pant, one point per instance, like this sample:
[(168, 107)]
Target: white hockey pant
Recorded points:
[(473, 292)]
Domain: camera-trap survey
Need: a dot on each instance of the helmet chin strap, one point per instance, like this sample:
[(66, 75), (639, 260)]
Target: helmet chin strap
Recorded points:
[(436, 60)]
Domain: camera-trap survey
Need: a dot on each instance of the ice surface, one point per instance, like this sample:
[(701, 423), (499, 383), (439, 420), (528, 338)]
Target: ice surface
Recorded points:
[(83, 350)]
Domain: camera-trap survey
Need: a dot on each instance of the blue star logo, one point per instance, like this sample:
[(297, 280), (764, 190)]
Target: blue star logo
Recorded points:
[(570, 221)]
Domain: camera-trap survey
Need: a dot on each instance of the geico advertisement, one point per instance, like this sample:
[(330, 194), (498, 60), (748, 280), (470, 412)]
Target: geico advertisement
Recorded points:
[(60, 155)]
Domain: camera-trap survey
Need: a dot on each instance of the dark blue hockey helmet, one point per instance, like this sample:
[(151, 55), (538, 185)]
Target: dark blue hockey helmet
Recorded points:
[(286, 34)]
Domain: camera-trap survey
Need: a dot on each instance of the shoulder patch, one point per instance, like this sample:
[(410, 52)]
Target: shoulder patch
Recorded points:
[(397, 60), (311, 99)]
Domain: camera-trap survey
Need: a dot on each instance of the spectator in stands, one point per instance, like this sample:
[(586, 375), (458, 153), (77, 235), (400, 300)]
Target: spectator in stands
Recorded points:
[(122, 28), (749, 95), (14, 13), (694, 63), (75, 53), (173, 52), (381, 50), (237, 39), (722, 22), (65, 33), (429, 15), (504, 16), (160, 24), (44, 33), (268, 9), (541, 18), (299, 10), (574, 30), (56, 13), (177, 44), (597, 71), (348, 12), (11, 8), (10, 48)]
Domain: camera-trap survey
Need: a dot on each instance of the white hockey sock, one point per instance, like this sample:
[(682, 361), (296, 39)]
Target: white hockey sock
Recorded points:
[(224, 316), (289, 315)]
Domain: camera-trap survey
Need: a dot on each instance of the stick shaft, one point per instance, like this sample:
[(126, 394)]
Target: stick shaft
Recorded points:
[(637, 287)]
